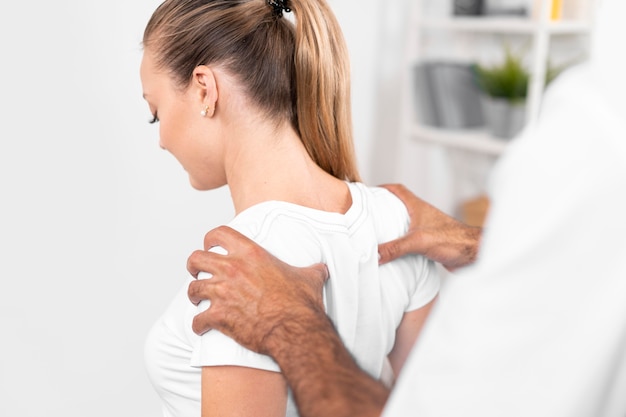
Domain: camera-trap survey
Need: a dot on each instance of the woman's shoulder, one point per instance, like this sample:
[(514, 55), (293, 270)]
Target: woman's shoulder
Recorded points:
[(287, 231), (390, 216)]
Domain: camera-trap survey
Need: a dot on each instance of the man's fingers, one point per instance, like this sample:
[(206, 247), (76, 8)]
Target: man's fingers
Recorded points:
[(226, 237), (394, 249), (199, 290), (416, 207), (400, 191), (200, 324), (318, 274), (205, 261)]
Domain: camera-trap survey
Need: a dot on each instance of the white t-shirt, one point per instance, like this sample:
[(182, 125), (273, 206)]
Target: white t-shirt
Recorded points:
[(537, 327), (366, 302)]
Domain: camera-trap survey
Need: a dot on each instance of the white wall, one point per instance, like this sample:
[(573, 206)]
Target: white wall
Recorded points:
[(361, 28), (96, 222)]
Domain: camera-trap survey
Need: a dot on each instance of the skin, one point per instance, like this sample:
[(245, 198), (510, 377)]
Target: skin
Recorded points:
[(433, 234), (407, 334), (276, 309), (188, 137), (221, 148), (234, 143)]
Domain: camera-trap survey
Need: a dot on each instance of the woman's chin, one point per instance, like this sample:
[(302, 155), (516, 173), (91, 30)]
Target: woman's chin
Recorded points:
[(203, 186)]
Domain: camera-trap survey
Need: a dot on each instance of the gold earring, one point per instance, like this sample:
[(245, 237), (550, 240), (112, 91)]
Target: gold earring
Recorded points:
[(204, 112)]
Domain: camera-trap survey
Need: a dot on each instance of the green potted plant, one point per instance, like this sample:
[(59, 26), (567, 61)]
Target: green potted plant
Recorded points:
[(504, 88)]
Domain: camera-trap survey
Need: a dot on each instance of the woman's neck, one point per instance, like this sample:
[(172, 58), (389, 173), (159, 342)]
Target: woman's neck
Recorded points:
[(272, 164)]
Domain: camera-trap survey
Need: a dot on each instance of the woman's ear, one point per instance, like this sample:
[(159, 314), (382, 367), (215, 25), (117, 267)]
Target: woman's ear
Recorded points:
[(205, 83)]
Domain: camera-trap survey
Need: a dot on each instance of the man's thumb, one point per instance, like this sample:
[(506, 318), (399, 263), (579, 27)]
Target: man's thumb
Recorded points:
[(317, 273), (394, 249)]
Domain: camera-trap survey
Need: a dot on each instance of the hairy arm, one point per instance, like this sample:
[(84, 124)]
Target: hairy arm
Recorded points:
[(433, 234), (276, 309), (324, 377)]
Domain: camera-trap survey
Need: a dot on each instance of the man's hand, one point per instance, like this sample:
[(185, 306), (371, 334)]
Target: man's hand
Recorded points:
[(252, 293), (432, 233), (276, 309)]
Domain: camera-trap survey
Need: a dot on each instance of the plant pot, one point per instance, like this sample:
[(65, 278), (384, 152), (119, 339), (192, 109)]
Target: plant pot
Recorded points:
[(504, 118)]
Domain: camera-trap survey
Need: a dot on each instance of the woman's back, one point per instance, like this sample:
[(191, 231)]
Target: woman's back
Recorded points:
[(262, 103), (366, 302)]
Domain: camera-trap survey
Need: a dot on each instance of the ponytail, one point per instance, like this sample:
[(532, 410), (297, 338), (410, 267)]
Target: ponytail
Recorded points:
[(323, 89), (300, 73)]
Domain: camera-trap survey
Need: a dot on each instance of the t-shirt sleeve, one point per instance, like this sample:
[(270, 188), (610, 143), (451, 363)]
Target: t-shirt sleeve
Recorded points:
[(427, 283), (296, 246), (419, 276), (216, 349)]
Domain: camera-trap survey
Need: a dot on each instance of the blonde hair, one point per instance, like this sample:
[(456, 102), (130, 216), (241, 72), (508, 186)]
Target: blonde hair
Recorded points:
[(298, 72)]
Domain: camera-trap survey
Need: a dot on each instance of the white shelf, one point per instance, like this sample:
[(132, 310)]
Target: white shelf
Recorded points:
[(514, 25), (437, 37), (471, 140)]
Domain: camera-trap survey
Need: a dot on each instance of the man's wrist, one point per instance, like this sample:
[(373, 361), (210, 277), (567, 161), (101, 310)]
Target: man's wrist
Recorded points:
[(457, 246), (472, 235), (295, 327), (322, 374)]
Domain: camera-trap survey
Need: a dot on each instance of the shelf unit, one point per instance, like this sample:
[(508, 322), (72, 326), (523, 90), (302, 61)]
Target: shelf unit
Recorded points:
[(468, 155), (540, 30), (477, 140), (505, 25)]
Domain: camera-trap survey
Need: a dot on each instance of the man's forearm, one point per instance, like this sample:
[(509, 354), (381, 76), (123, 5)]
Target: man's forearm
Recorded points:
[(322, 374), (462, 243), (432, 233), (277, 309)]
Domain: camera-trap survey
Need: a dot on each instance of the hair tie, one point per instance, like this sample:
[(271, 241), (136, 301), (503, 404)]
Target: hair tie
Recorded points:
[(279, 6)]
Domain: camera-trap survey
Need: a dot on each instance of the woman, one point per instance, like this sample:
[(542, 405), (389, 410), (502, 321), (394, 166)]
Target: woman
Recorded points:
[(247, 98)]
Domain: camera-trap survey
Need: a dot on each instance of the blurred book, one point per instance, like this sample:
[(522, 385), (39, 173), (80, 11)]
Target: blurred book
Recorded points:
[(557, 10), (507, 7), (468, 7), (447, 96)]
